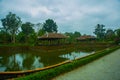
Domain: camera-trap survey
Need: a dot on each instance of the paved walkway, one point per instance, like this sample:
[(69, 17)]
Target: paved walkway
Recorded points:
[(105, 68)]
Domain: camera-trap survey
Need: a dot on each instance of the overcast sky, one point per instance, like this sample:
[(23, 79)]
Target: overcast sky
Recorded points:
[(70, 15)]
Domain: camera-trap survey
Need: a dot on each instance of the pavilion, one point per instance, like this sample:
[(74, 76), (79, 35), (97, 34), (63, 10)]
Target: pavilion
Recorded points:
[(52, 39)]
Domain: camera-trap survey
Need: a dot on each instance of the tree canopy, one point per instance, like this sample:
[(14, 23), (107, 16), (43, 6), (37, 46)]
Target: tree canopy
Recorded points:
[(50, 26), (118, 32), (110, 35), (72, 36), (27, 34), (99, 31), (12, 30), (27, 28), (11, 23)]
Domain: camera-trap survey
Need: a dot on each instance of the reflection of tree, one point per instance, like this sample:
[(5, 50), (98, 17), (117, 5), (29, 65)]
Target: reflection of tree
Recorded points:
[(20, 61), (31, 61), (37, 63), (12, 64), (28, 61)]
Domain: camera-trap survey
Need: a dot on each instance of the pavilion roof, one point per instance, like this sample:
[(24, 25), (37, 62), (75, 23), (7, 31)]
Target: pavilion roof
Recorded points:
[(52, 36), (86, 37)]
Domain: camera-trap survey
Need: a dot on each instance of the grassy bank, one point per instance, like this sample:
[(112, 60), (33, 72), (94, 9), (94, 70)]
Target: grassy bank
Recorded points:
[(50, 73)]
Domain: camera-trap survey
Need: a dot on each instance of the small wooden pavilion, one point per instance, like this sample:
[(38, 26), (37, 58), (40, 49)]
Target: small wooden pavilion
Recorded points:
[(52, 39), (86, 38)]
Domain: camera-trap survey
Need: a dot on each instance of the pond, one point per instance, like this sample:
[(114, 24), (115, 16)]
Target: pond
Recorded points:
[(12, 59)]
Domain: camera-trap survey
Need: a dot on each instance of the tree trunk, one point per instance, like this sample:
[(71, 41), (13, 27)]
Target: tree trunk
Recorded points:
[(13, 38)]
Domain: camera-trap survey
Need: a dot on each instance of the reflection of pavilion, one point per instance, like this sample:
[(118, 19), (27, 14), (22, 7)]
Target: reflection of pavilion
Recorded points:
[(52, 39)]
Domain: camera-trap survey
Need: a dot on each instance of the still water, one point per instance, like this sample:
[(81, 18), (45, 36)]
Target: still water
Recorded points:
[(28, 59)]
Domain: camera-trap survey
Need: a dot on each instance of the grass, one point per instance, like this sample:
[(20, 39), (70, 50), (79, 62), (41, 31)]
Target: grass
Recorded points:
[(51, 73)]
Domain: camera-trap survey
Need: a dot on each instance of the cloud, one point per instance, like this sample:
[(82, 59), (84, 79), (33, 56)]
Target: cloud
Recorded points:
[(70, 15)]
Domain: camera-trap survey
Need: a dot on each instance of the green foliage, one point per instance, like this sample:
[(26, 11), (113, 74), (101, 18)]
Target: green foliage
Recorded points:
[(53, 72), (50, 26), (77, 34), (72, 36), (110, 35), (11, 24), (118, 32), (27, 34), (41, 32), (117, 39), (100, 31), (27, 28), (4, 37), (32, 38), (21, 37)]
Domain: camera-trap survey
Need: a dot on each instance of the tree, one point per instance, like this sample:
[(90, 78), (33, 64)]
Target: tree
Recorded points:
[(4, 37), (118, 32), (27, 30), (50, 26), (100, 31), (117, 39), (77, 34), (72, 36), (110, 35), (41, 32), (11, 24), (38, 27), (21, 37)]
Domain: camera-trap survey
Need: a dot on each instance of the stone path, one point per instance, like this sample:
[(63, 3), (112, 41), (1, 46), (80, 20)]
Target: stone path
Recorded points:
[(105, 68)]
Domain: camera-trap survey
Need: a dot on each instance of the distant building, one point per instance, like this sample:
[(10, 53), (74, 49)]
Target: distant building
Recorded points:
[(86, 38), (52, 39)]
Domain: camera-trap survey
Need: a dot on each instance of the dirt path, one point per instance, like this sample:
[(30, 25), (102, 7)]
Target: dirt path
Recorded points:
[(105, 68)]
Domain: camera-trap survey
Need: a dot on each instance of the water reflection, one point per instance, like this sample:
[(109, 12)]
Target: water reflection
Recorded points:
[(24, 59), (20, 61), (73, 55)]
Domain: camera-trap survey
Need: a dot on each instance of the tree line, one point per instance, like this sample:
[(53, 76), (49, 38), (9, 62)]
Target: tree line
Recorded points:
[(107, 34), (13, 30)]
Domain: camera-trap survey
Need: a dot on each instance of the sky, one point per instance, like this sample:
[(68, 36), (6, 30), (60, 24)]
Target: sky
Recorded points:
[(70, 15)]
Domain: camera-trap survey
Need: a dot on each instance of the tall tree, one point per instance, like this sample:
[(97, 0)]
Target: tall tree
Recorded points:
[(117, 39), (100, 31), (50, 26), (4, 37), (38, 27), (27, 30), (72, 36), (77, 34), (41, 32), (11, 24), (118, 32), (110, 35)]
